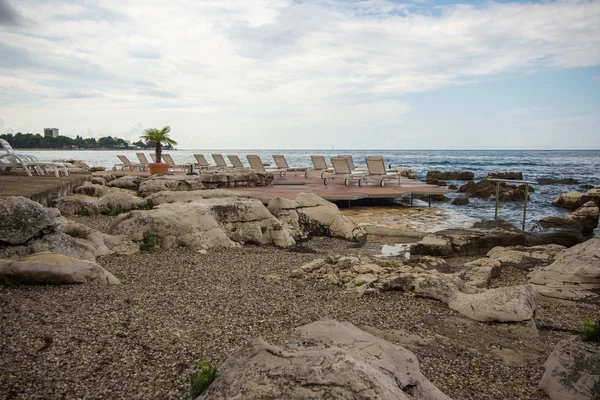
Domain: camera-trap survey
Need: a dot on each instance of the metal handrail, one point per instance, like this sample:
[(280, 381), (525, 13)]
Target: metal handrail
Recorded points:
[(527, 183)]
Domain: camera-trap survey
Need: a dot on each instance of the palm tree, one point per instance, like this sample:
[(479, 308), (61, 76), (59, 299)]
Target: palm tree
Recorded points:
[(158, 137)]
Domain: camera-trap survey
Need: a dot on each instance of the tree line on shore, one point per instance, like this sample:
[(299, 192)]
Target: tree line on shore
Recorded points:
[(37, 141)]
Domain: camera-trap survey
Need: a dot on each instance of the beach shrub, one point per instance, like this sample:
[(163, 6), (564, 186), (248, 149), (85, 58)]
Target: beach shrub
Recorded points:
[(591, 330), (112, 212), (149, 242), (84, 211), (263, 229), (201, 380), (76, 233)]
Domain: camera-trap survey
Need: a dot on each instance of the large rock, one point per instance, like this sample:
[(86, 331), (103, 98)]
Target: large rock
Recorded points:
[(121, 202), (21, 219), (131, 182), (559, 181), (101, 243), (192, 195), (92, 189), (485, 188), (53, 269), (480, 272), (572, 371), (235, 178), (56, 242), (574, 200), (573, 274), (506, 175), (323, 360), (177, 183), (587, 216), (206, 223), (78, 204), (504, 304), (450, 175), (320, 217)]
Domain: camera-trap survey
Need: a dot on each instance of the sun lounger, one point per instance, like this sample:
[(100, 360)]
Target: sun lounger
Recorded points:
[(143, 161), (202, 163), (376, 168), (28, 162), (282, 164), (257, 165), (172, 164), (126, 164), (351, 164), (220, 161), (235, 161), (153, 157), (342, 170), (319, 164)]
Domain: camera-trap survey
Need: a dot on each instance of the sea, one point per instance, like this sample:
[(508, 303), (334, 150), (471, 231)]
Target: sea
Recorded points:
[(582, 165)]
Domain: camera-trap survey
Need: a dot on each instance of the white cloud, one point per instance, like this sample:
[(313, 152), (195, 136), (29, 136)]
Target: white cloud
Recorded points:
[(246, 73)]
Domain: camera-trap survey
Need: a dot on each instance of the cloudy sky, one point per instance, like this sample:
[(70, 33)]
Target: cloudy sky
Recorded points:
[(375, 74)]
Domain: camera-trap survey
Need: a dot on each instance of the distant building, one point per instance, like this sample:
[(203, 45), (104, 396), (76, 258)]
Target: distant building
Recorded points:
[(50, 132)]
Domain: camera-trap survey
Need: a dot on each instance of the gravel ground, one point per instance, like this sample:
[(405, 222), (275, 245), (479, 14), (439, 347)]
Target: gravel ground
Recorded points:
[(142, 339)]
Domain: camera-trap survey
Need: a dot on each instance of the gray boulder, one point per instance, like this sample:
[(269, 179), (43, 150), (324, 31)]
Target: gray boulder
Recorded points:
[(168, 196), (78, 204), (92, 189), (21, 219), (121, 202), (587, 216), (53, 269), (572, 371), (574, 200), (323, 360), (131, 182), (55, 242)]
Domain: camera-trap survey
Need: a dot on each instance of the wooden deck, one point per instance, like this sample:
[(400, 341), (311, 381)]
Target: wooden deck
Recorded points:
[(42, 189)]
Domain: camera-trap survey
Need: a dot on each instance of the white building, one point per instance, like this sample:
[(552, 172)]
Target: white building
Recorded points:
[(50, 132)]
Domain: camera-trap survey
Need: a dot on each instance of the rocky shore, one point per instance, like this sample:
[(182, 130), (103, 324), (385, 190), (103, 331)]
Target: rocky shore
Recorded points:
[(474, 313)]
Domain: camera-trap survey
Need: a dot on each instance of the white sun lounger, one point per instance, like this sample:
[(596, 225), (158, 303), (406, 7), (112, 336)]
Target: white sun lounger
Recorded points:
[(376, 168), (143, 161), (257, 165), (319, 164), (28, 162), (235, 161), (283, 164), (342, 169), (201, 162), (125, 163), (220, 161), (172, 164), (351, 164)]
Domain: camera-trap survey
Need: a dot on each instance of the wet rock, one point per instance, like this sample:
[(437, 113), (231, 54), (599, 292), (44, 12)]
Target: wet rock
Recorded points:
[(460, 201), (21, 219), (485, 188), (587, 216), (574, 200), (450, 175), (53, 269), (452, 187), (324, 359), (572, 371), (561, 181), (573, 275), (506, 175)]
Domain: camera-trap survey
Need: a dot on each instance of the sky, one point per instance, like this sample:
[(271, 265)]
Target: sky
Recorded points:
[(284, 74)]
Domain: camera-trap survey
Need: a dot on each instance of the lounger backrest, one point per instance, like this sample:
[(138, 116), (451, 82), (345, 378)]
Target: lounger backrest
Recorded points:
[(201, 160), (280, 161), (319, 162), (153, 157), (7, 146), (235, 161), (124, 160), (350, 161), (219, 160), (168, 159), (142, 158), (255, 162), (340, 165), (376, 165)]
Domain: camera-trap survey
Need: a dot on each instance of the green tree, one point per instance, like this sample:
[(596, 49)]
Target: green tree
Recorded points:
[(158, 137)]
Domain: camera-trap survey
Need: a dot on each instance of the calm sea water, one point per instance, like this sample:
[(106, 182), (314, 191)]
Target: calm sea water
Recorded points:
[(581, 165)]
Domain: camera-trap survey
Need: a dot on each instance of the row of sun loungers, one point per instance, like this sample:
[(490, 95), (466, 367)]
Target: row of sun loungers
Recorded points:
[(9, 159), (341, 167)]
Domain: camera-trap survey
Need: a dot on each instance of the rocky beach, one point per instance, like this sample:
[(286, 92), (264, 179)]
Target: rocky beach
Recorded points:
[(122, 290)]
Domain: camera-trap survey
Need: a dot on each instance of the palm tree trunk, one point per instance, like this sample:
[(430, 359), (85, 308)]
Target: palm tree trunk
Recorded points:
[(158, 152)]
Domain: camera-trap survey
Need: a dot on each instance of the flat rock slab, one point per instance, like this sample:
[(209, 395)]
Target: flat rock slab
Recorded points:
[(53, 269)]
